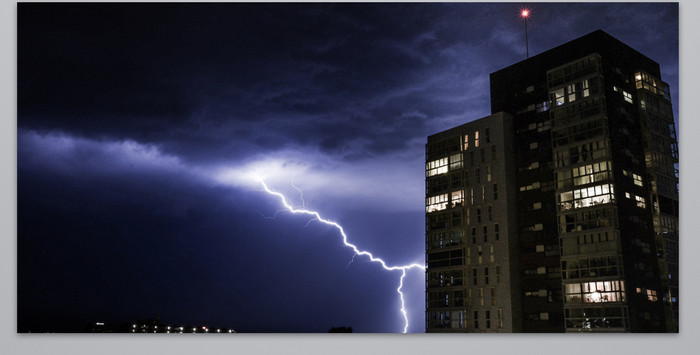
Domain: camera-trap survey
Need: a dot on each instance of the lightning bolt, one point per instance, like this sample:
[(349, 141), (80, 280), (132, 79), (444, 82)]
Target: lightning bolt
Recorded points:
[(317, 217), (301, 193)]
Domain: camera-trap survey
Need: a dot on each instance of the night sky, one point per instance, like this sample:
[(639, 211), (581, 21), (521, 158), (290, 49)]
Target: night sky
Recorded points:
[(139, 127)]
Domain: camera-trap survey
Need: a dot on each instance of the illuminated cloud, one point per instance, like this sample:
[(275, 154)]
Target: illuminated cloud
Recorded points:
[(68, 154), (373, 183)]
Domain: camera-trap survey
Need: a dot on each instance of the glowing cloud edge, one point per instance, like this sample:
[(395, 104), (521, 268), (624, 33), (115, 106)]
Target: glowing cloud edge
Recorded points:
[(357, 251)]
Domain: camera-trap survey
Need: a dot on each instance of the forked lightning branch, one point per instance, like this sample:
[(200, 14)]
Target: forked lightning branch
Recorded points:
[(317, 217)]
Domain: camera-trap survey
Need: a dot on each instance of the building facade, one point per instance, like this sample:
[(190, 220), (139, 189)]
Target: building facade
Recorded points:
[(595, 196), (470, 234)]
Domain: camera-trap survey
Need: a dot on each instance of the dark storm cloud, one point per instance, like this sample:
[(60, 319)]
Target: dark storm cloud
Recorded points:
[(149, 73), (199, 78)]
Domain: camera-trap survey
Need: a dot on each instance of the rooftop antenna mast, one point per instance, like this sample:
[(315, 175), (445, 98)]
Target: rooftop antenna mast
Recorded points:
[(525, 14)]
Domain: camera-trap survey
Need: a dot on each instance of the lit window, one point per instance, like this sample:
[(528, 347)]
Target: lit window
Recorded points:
[(586, 197), (436, 167), (457, 198), (557, 97), (628, 96), (571, 90), (536, 227), (651, 295), (596, 292), (436, 203), (535, 185), (640, 201), (637, 180), (476, 139), (590, 173), (466, 141), (456, 161)]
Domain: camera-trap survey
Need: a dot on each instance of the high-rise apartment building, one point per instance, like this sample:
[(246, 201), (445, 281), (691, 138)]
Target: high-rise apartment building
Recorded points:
[(588, 197)]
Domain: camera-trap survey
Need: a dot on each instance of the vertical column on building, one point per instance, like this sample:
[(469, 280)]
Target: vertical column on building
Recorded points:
[(445, 278), (593, 282), (538, 254), (661, 159), (470, 234)]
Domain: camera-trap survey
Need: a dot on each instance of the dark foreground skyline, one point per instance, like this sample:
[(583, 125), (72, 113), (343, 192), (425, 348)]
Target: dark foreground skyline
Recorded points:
[(138, 123)]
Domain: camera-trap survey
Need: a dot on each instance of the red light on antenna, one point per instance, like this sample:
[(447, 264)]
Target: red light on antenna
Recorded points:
[(524, 13)]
